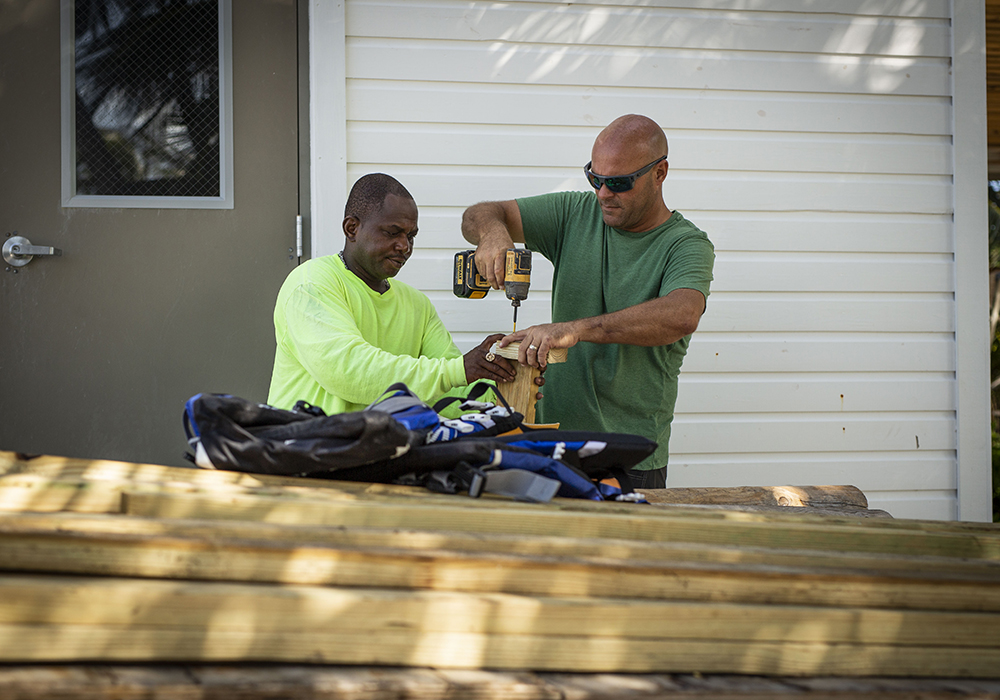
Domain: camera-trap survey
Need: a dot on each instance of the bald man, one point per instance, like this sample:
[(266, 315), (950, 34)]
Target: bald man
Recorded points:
[(630, 285)]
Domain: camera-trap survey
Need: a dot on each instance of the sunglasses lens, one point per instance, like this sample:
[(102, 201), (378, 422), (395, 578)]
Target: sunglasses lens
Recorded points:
[(618, 184), (594, 181)]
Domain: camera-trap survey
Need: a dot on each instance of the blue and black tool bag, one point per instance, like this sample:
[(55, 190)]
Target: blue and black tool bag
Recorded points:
[(400, 439)]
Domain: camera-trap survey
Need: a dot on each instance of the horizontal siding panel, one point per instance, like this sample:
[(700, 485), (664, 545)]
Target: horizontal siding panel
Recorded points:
[(939, 9), (826, 232), (916, 505), (869, 471), (387, 59), (830, 273), (440, 228), (645, 26), (458, 186), (813, 432), (594, 106), (416, 144), (824, 352), (749, 394), (834, 315)]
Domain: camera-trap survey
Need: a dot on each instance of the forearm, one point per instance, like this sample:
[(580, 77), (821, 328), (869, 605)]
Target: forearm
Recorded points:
[(656, 322), (492, 221)]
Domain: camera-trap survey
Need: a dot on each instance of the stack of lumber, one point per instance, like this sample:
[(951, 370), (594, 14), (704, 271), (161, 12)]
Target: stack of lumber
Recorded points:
[(117, 562)]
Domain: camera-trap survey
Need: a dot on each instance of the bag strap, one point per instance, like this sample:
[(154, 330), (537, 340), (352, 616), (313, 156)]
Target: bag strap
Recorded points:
[(398, 386), (476, 392)]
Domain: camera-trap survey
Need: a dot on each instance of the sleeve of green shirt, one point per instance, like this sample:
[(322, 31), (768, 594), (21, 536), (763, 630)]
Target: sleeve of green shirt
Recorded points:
[(330, 346), (689, 265), (543, 220)]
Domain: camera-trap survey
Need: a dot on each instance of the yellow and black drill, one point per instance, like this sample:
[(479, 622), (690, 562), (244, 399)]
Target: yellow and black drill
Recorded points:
[(469, 284)]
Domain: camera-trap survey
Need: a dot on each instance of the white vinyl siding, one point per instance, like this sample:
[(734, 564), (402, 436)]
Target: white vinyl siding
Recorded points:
[(812, 142)]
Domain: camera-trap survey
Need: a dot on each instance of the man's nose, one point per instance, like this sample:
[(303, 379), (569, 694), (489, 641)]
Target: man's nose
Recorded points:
[(604, 192)]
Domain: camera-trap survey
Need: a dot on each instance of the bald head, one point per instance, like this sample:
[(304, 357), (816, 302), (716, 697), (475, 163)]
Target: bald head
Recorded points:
[(626, 146), (633, 136)]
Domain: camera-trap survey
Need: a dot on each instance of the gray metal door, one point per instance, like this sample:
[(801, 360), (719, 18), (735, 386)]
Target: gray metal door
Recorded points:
[(100, 347)]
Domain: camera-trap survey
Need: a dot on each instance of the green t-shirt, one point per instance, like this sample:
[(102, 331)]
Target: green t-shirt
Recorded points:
[(598, 270), (341, 343)]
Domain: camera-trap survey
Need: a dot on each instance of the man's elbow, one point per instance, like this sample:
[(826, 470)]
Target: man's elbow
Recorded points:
[(689, 325), (473, 219)]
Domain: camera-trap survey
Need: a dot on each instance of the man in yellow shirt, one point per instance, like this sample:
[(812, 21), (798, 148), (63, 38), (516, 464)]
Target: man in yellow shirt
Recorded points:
[(345, 332)]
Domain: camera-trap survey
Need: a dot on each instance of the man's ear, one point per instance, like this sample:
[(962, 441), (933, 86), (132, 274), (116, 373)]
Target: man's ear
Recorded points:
[(666, 169), (351, 227)]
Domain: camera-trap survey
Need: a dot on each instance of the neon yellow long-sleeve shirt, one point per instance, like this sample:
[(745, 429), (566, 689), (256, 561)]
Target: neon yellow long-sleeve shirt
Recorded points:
[(340, 343)]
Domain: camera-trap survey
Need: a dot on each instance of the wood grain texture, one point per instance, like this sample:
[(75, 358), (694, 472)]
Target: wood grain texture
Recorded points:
[(522, 393), (56, 539), (79, 619)]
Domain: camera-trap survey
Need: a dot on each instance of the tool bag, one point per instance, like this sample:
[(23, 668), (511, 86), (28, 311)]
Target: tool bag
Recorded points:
[(227, 432), (400, 439)]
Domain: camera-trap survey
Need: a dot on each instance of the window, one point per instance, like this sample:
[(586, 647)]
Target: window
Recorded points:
[(147, 108)]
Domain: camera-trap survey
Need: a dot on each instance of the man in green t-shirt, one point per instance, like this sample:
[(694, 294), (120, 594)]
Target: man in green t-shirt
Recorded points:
[(630, 283), (345, 333)]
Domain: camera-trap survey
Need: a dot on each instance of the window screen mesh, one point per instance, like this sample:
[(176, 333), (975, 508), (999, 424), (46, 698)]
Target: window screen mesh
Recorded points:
[(147, 98)]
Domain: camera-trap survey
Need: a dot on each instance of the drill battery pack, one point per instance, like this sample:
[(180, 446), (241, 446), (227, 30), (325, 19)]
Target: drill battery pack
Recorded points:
[(467, 282)]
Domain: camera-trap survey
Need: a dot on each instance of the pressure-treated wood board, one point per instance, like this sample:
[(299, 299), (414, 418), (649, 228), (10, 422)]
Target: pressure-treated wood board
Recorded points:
[(197, 566), (533, 575), (217, 532), (752, 530), (92, 486), (82, 618)]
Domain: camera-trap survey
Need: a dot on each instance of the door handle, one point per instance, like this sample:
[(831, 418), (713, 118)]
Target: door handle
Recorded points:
[(18, 251)]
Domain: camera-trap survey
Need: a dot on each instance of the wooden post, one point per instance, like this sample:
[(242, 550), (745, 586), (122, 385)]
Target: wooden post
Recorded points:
[(520, 393)]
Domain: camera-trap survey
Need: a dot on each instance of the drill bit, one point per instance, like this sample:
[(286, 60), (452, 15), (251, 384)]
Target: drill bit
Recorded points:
[(515, 303)]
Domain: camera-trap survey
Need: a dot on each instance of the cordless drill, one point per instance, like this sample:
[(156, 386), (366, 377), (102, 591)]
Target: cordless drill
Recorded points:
[(469, 284)]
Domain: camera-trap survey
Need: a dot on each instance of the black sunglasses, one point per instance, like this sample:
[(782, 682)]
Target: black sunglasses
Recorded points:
[(617, 183)]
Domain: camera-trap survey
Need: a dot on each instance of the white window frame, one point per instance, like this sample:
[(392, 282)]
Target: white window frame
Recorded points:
[(68, 127)]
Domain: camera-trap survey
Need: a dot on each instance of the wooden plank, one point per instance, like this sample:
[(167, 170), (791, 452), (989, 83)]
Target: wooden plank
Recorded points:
[(763, 495), (727, 529), (61, 600), (66, 553), (152, 620), (30, 493), (64, 474), (48, 643), (968, 589)]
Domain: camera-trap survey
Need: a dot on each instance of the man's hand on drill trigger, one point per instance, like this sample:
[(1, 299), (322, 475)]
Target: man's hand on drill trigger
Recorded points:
[(478, 367), (491, 258), (537, 341)]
